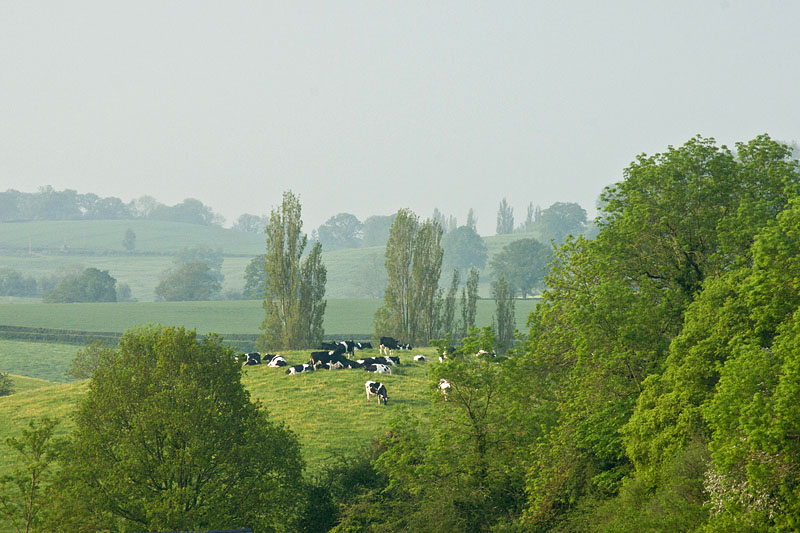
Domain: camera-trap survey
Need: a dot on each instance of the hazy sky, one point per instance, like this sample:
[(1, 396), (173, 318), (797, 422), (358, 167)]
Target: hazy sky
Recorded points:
[(367, 107)]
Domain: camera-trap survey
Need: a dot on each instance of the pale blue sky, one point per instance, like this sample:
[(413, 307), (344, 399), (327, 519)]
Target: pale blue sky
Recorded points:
[(367, 107)]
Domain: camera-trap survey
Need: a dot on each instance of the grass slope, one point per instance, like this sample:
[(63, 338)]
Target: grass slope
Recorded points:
[(326, 409)]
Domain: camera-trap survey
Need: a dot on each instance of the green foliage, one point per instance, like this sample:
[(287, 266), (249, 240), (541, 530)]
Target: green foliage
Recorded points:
[(340, 231), (191, 281), (505, 218), (559, 221), (6, 385), (167, 438), (129, 241), (523, 264), (412, 304), (14, 283), (295, 288), (504, 322), (255, 278), (92, 285), (376, 230), (89, 358), (469, 302), (22, 493), (463, 249)]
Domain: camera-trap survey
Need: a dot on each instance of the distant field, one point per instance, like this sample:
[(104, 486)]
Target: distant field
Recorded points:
[(43, 248), (36, 360), (343, 316)]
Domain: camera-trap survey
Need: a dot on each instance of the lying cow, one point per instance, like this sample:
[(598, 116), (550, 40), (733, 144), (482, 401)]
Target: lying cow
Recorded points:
[(420, 358), (276, 361), (378, 389), (298, 369), (382, 360), (252, 358), (378, 369), (389, 345), (330, 359)]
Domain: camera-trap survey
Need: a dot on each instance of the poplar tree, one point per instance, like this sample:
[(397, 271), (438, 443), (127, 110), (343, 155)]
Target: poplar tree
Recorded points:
[(412, 300), (294, 292)]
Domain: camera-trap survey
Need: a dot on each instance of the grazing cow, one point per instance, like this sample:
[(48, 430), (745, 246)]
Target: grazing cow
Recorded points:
[(378, 369), (298, 369), (378, 389), (420, 358), (389, 345), (444, 385), (252, 358), (276, 361)]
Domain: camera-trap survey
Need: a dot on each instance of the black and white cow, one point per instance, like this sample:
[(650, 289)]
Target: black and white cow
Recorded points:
[(444, 386), (420, 358), (298, 369), (378, 389), (378, 369), (389, 345), (330, 359), (276, 361), (483, 352), (252, 358), (381, 360)]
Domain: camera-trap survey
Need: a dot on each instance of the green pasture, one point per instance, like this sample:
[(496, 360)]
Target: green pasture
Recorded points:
[(45, 248), (44, 361), (328, 410), (98, 237), (342, 316)]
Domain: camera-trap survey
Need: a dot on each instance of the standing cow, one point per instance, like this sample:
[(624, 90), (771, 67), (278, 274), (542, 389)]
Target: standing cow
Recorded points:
[(378, 389)]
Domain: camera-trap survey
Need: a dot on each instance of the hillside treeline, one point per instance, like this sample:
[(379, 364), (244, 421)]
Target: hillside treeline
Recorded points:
[(657, 387), (49, 204)]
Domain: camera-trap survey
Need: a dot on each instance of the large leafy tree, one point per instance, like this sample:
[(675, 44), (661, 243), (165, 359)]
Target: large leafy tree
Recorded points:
[(340, 231), (411, 309), (463, 249), (295, 288), (167, 438), (91, 285), (523, 263), (614, 304), (557, 221), (190, 281)]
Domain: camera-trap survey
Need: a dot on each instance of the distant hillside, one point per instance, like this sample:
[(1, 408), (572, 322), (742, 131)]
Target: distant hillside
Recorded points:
[(43, 248)]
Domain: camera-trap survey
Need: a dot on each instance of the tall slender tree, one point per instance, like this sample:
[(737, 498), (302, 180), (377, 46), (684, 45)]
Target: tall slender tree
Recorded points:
[(469, 302), (413, 264), (293, 297), (503, 294), (505, 218)]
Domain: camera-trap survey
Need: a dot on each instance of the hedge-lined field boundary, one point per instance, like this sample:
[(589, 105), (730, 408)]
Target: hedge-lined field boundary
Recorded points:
[(244, 342)]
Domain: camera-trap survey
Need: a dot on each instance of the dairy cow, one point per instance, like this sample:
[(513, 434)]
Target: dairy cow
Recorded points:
[(378, 389)]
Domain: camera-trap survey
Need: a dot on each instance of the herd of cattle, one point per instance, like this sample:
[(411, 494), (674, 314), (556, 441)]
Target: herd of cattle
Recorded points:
[(334, 355)]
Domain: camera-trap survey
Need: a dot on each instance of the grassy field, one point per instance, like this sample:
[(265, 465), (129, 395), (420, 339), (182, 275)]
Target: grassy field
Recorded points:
[(342, 316), (326, 409), (44, 248)]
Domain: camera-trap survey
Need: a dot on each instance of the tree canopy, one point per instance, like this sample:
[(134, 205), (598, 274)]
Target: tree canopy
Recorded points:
[(523, 264), (91, 285), (167, 438), (463, 249)]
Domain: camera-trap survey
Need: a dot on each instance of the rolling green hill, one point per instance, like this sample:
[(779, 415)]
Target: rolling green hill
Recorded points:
[(43, 248)]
